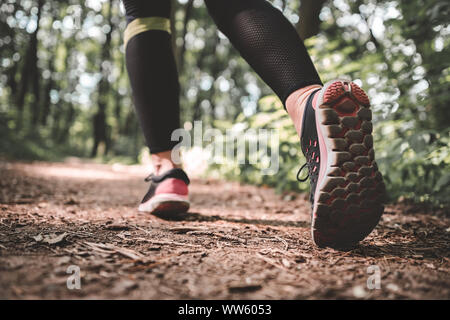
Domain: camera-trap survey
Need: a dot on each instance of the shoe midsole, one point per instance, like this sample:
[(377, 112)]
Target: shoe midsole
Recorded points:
[(161, 198), (324, 147)]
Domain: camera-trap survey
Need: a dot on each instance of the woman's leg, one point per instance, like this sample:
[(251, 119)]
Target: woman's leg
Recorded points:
[(154, 81), (153, 76)]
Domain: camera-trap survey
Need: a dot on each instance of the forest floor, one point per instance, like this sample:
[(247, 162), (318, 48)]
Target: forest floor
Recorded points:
[(237, 242)]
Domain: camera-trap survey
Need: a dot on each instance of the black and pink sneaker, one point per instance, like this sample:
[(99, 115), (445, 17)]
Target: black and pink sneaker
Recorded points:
[(347, 190), (168, 193)]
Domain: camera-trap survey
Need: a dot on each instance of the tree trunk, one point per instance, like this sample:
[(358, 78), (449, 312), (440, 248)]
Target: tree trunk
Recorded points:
[(309, 22), (30, 72), (187, 16), (45, 108), (99, 120)]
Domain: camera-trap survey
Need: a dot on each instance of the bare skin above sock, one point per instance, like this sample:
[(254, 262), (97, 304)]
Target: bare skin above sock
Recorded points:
[(296, 102)]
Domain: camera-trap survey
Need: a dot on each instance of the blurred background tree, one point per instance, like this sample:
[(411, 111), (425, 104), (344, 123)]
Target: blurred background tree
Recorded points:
[(64, 87)]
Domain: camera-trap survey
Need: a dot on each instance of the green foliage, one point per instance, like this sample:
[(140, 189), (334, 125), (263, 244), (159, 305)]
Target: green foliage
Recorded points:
[(271, 116), (415, 163), (30, 146)]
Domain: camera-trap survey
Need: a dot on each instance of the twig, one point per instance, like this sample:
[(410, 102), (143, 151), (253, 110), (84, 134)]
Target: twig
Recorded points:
[(186, 229), (219, 235), (142, 229), (167, 242), (176, 243), (110, 248), (269, 261)]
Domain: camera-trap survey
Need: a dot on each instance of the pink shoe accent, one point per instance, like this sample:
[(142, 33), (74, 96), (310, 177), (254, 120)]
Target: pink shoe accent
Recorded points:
[(166, 203), (172, 186), (314, 101)]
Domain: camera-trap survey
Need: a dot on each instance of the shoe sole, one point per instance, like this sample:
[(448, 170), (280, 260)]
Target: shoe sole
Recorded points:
[(166, 203), (350, 191)]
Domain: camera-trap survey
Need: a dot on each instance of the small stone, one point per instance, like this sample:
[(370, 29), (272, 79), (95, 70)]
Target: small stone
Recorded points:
[(359, 292), (392, 287)]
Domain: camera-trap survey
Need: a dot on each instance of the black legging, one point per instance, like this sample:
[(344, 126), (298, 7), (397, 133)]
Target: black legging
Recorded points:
[(260, 32)]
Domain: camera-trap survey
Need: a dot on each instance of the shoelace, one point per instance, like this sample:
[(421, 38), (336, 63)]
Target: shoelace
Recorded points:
[(300, 171), (312, 162), (149, 178)]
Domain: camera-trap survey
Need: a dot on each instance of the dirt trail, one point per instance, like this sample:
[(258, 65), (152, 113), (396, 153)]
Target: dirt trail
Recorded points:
[(237, 242)]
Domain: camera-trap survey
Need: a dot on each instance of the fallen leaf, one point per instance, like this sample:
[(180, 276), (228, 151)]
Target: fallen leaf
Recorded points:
[(129, 253), (38, 238), (110, 248), (54, 239)]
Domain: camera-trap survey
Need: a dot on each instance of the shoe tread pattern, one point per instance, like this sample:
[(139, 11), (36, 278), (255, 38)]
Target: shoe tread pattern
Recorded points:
[(350, 202)]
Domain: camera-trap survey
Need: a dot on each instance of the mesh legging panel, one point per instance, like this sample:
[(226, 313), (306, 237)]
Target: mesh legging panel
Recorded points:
[(267, 41)]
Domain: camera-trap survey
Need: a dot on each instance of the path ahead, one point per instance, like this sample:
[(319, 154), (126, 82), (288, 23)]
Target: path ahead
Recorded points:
[(238, 242)]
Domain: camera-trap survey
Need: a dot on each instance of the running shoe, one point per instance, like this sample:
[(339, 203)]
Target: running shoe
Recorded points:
[(167, 193), (347, 190)]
